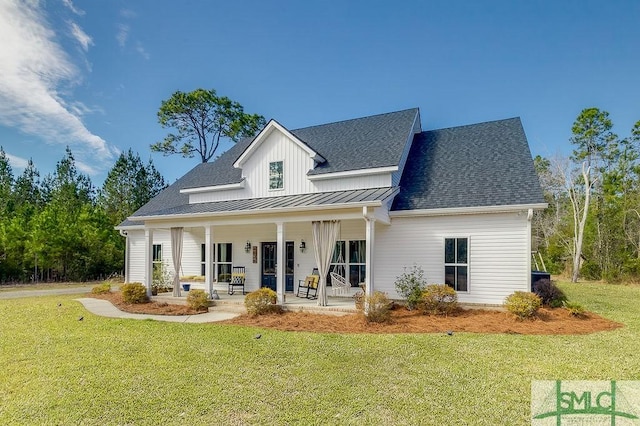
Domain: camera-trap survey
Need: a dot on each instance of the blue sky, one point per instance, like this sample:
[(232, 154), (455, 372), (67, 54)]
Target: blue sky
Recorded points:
[(92, 74)]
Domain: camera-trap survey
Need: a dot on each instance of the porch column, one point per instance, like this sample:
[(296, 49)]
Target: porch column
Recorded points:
[(282, 261), (148, 259), (208, 260), (370, 228)]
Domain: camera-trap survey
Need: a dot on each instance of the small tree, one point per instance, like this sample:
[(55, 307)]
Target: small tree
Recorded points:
[(201, 119), (410, 285)]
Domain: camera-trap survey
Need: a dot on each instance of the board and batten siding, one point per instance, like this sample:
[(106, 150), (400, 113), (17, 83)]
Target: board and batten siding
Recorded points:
[(296, 164), (498, 253)]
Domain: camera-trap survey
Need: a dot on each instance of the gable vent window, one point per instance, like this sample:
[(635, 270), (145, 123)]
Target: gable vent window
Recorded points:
[(276, 175)]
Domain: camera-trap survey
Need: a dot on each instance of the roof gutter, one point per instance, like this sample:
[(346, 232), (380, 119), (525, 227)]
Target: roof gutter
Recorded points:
[(468, 210)]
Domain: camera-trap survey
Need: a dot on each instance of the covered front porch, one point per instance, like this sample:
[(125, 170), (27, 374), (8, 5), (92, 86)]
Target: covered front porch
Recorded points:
[(212, 246), (337, 305)]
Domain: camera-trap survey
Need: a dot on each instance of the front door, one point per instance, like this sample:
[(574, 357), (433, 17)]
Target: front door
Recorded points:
[(269, 262)]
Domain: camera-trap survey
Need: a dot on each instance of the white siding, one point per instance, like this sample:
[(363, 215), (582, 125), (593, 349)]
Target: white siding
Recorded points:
[(136, 256), (296, 165), (136, 252), (498, 252)]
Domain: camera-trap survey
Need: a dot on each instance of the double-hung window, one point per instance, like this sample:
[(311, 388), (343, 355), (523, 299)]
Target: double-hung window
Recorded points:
[(222, 260), (157, 257), (349, 260), (456, 263)]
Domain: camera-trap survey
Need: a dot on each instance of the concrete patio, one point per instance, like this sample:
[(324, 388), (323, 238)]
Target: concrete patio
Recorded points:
[(235, 303)]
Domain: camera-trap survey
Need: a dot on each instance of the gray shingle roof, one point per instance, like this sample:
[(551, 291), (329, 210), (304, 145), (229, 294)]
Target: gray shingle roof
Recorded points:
[(374, 141), (485, 164), (362, 143)]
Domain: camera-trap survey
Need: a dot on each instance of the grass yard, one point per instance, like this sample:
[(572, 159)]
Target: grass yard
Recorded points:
[(58, 370)]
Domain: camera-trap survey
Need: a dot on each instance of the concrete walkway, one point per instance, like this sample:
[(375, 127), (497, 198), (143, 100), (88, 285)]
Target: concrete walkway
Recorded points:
[(104, 308)]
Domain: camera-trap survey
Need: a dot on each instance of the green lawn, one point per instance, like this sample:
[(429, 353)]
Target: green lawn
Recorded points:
[(58, 370)]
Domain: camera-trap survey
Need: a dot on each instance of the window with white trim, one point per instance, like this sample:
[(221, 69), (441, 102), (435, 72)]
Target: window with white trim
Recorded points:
[(222, 260), (157, 258), (456, 263), (349, 257), (203, 260), (276, 175)]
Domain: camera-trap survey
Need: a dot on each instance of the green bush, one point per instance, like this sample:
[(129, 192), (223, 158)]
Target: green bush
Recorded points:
[(261, 302), (103, 288), (439, 299), (198, 300), (574, 308), (134, 293), (378, 307), (523, 304), (410, 286), (549, 293), (162, 279)]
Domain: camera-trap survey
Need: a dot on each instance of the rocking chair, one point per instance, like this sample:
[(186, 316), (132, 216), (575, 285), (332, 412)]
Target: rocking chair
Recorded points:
[(237, 279)]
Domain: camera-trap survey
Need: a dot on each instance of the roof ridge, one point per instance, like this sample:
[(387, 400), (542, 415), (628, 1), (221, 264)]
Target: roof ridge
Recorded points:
[(355, 119), (473, 124)]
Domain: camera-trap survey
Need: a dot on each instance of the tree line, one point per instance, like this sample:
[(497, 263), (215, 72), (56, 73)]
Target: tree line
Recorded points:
[(61, 227), (591, 228)]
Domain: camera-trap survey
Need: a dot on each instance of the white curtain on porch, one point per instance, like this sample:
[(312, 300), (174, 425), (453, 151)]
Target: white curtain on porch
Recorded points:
[(176, 254), (325, 234)]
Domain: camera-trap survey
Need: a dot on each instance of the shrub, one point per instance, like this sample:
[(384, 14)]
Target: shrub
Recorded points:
[(378, 307), (198, 300), (101, 288), (549, 293), (411, 285), (574, 308), (439, 299), (134, 293), (359, 299), (261, 302), (162, 280), (523, 304)]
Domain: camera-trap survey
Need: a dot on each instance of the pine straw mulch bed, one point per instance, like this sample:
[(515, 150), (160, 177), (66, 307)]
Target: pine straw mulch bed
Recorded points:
[(547, 321), (153, 308)]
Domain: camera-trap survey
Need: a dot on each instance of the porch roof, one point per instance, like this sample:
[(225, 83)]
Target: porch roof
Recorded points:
[(337, 199)]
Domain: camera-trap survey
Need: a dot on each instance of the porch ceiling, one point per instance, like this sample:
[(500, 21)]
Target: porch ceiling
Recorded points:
[(335, 199)]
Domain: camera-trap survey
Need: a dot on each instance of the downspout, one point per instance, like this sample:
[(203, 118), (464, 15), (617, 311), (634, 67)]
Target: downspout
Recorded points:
[(529, 219), (126, 254)]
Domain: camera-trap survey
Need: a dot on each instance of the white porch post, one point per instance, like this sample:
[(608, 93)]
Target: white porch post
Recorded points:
[(281, 265), (370, 225), (208, 258), (148, 259)]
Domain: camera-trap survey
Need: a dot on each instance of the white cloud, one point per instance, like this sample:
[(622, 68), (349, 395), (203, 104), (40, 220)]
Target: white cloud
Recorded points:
[(128, 13), (141, 51), (71, 7), (123, 34), (17, 162), (36, 77), (82, 37)]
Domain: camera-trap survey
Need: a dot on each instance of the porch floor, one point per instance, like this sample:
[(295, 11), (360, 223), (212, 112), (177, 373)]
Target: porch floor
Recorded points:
[(235, 303)]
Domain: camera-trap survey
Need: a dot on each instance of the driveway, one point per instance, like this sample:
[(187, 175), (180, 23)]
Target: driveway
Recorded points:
[(18, 293)]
